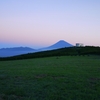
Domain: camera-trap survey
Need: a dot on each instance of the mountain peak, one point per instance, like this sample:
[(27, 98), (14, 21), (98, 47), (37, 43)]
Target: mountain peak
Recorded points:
[(61, 44), (57, 45), (61, 41)]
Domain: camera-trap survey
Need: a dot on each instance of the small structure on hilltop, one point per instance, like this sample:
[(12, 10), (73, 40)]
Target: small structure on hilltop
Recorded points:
[(79, 45)]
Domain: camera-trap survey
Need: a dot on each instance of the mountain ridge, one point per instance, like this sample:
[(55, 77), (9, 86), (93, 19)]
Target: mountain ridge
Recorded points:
[(7, 52), (18, 48), (4, 52)]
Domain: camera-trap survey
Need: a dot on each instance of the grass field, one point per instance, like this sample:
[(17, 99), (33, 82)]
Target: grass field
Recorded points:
[(51, 78)]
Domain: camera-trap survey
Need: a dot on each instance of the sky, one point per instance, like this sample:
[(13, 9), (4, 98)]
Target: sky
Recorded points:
[(41, 23)]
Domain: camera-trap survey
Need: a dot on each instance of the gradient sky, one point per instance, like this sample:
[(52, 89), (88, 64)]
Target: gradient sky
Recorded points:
[(40, 23)]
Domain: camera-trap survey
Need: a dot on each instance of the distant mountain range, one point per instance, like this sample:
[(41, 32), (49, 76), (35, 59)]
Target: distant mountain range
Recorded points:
[(6, 52), (18, 49)]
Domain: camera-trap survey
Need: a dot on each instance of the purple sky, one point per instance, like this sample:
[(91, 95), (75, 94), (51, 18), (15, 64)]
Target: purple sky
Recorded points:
[(40, 23)]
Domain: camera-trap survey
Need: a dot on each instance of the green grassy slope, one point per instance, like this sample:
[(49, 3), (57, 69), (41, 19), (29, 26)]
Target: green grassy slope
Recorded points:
[(51, 78)]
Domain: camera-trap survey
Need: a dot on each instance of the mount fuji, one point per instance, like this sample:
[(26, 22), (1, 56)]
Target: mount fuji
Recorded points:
[(59, 44)]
